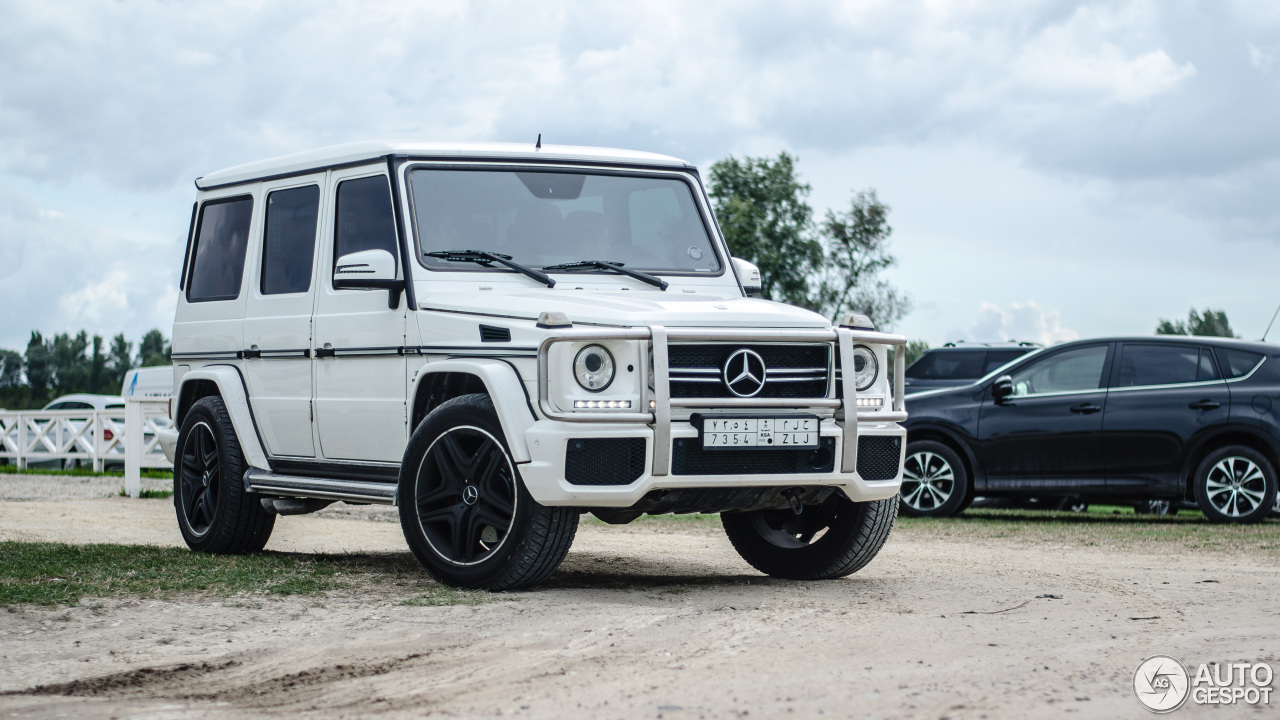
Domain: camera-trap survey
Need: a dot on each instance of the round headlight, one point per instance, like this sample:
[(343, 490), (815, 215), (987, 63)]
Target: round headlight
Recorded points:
[(593, 367), (865, 367)]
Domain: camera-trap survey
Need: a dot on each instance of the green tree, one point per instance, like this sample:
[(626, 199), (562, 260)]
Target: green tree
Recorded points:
[(10, 369), (38, 365), (119, 362), (71, 367), (856, 245), (97, 367), (763, 212), (1212, 323), (153, 350)]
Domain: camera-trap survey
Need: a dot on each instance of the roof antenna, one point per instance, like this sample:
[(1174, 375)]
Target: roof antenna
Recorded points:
[(539, 145), (1273, 322)]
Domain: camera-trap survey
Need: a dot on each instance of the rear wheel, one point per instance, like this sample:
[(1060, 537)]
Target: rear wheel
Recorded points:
[(831, 539), (1235, 484), (464, 510), (934, 481), (1154, 507), (215, 513)]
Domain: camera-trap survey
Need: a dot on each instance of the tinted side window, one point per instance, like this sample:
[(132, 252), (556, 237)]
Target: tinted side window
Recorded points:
[(364, 221), (944, 365), (1158, 365), (289, 242), (1079, 369), (1238, 363), (221, 238), (996, 358), (1208, 371)]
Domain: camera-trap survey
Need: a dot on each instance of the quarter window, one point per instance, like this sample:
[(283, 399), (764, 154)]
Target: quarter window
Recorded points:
[(364, 217), (1238, 363), (289, 242), (221, 238), (1142, 365), (1073, 370)]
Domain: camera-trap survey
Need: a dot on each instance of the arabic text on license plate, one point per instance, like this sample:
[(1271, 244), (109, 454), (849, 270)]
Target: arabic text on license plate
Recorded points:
[(760, 433)]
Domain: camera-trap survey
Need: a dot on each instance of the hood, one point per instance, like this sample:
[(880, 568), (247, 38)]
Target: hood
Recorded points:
[(627, 308)]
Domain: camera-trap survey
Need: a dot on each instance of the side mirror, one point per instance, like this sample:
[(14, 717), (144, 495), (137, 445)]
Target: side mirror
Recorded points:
[(1002, 389), (748, 275), (369, 269)]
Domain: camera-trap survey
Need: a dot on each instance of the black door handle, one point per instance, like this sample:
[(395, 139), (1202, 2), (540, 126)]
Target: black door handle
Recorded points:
[(325, 352), (1086, 409), (1205, 405)]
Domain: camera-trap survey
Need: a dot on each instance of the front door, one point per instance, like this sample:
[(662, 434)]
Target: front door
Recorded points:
[(1163, 395), (1047, 437), (359, 362), (277, 323)]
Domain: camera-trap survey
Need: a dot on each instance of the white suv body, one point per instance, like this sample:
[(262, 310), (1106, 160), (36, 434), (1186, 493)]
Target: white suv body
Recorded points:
[(335, 300)]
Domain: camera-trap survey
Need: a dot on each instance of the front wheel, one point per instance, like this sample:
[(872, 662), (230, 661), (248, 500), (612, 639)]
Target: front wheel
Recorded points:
[(465, 513), (831, 539), (1235, 484), (934, 481)]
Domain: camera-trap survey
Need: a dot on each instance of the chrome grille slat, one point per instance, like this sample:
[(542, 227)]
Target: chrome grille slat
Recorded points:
[(794, 370)]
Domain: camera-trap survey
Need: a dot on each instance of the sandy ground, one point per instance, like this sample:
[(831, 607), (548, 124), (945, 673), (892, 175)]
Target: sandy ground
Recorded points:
[(652, 620)]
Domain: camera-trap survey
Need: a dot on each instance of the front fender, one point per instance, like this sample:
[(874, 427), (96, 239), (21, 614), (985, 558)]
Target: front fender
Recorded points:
[(231, 388), (506, 390)]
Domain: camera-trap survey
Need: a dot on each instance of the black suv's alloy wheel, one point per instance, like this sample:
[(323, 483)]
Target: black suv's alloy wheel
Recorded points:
[(1235, 484), (934, 481)]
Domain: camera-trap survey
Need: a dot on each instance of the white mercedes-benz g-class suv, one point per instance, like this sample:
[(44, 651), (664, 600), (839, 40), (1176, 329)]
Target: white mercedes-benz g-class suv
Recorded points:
[(498, 338)]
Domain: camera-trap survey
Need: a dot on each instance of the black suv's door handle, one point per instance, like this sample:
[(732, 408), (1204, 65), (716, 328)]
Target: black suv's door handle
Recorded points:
[(1205, 405), (1086, 409)]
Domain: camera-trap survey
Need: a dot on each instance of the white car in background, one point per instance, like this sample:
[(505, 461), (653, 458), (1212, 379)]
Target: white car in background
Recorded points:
[(81, 401)]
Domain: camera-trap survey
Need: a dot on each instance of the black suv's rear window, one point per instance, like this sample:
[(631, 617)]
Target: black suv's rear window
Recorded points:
[(1238, 363), (944, 365)]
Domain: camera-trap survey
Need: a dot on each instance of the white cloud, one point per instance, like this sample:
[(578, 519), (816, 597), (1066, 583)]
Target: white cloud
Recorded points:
[(1021, 321)]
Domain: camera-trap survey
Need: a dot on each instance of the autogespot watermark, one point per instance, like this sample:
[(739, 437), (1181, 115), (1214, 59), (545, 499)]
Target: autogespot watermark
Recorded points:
[(1162, 684)]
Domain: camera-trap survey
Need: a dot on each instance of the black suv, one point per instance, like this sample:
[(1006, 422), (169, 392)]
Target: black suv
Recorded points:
[(961, 363), (1112, 420)]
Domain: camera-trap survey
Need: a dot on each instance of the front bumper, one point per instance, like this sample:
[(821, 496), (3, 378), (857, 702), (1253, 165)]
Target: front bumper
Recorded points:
[(548, 441)]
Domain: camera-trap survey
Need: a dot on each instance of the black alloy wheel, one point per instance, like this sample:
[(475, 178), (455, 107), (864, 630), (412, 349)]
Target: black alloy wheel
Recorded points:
[(466, 495), (831, 539), (464, 510), (215, 513)]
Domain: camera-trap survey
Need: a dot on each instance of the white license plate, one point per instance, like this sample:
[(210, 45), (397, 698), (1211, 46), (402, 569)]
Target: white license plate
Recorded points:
[(759, 433)]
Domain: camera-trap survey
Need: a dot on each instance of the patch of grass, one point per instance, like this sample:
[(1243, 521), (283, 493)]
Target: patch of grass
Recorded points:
[(153, 473), (1101, 527), (59, 574), (148, 494)]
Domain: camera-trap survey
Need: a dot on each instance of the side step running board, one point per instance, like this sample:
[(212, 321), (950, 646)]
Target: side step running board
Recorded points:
[(269, 483)]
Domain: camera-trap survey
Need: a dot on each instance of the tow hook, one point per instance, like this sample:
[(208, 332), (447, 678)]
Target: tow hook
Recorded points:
[(793, 496)]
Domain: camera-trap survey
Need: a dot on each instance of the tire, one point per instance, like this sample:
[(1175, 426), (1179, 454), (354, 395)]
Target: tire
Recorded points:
[(934, 481), (465, 512), (215, 513), (783, 544), (1235, 484), (1155, 507)]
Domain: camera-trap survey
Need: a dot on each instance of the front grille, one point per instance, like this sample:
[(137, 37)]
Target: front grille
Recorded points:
[(879, 456), (604, 461), (795, 370), (688, 458)]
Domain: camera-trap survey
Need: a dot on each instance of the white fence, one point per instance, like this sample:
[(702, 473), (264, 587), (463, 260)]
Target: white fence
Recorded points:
[(96, 438)]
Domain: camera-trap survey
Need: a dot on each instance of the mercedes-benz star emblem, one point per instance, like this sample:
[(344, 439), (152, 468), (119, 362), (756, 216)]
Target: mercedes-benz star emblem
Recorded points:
[(470, 494), (744, 373)]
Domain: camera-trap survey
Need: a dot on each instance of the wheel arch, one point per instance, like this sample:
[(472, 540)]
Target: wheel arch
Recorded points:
[(942, 435), (225, 382), (1235, 435), (442, 380)]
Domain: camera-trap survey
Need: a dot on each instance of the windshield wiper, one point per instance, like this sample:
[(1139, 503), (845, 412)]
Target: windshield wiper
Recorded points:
[(616, 267), (486, 258)]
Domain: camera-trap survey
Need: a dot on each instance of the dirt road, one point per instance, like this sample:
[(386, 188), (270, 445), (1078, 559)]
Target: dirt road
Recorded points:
[(651, 620)]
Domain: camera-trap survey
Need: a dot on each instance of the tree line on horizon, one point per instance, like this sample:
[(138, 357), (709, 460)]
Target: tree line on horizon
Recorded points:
[(64, 364)]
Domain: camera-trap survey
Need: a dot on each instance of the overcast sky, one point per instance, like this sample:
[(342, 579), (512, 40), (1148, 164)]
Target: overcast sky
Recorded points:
[(1055, 169)]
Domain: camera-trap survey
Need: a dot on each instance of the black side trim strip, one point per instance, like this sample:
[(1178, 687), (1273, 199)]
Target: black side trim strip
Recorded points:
[(345, 471), (215, 355)]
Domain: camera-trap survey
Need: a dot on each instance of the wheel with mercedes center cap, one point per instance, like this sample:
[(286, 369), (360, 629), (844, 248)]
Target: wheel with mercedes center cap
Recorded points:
[(464, 510)]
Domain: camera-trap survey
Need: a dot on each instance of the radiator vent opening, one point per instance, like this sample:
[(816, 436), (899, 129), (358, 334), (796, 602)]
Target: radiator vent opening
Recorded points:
[(489, 333)]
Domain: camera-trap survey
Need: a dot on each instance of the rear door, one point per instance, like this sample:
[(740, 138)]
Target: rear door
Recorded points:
[(1047, 437), (1162, 395), (277, 324)]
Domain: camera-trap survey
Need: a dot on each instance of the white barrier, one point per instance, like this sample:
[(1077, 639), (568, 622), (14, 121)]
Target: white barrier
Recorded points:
[(93, 437)]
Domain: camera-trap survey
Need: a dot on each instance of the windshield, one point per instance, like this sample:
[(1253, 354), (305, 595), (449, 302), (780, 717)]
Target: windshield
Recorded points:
[(542, 218)]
